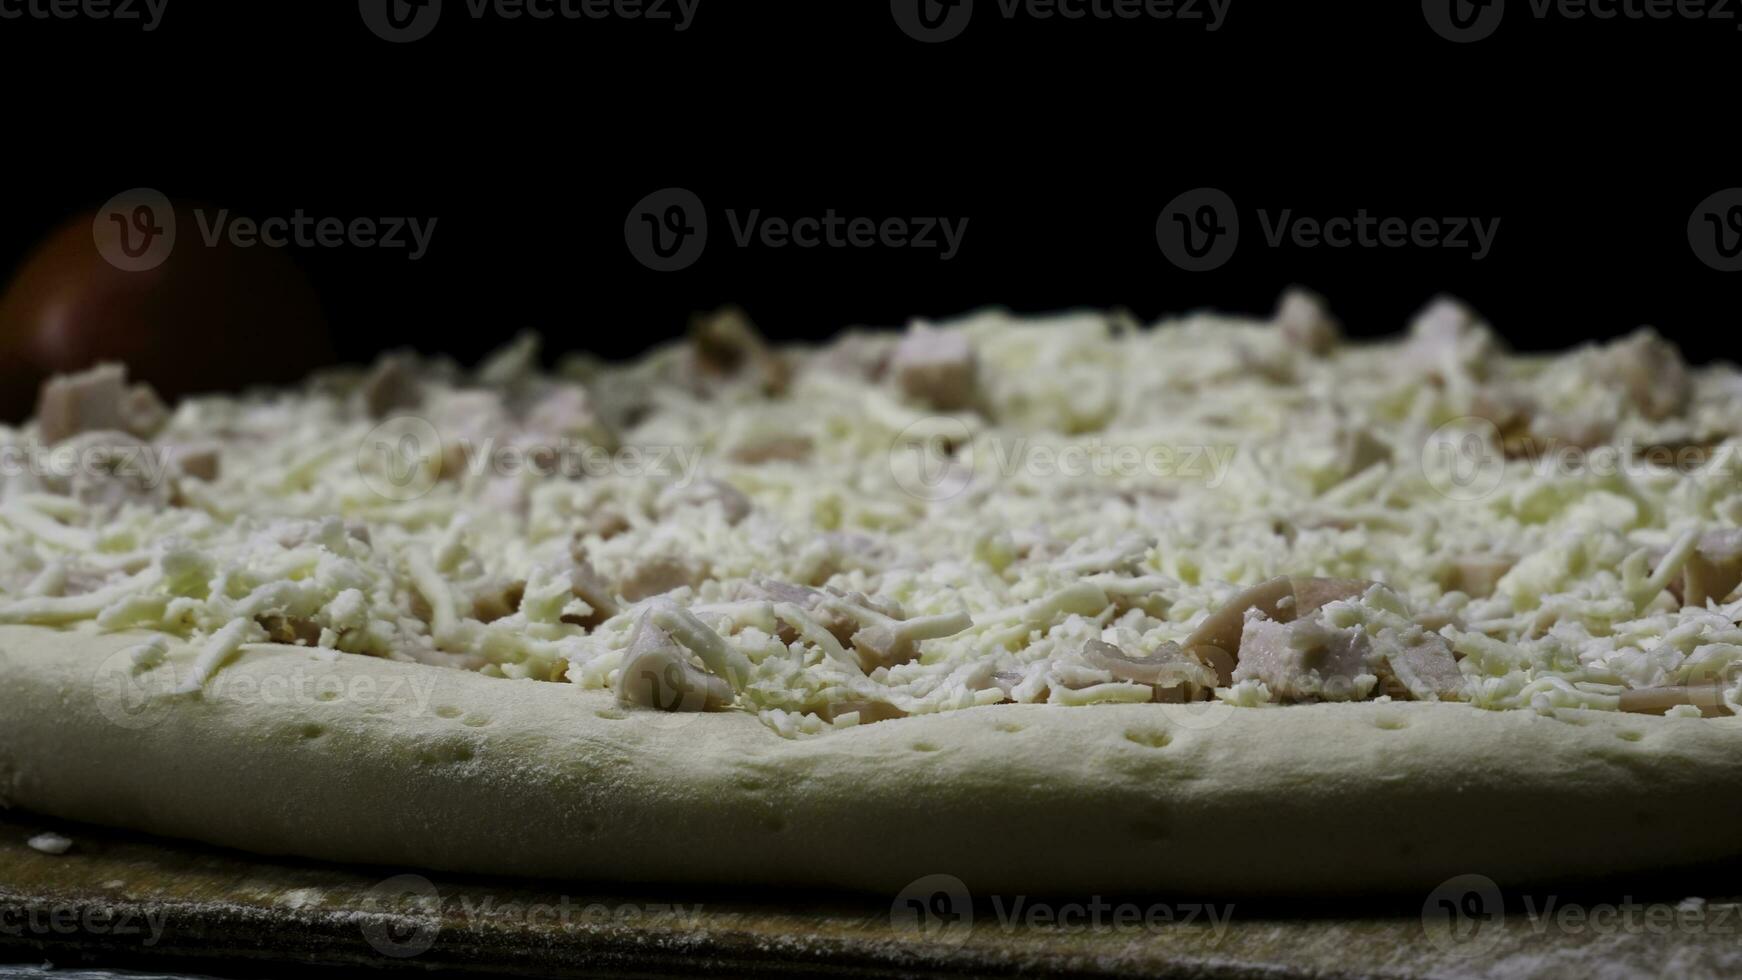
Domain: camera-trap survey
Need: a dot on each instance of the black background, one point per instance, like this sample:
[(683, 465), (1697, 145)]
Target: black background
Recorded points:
[(1060, 141)]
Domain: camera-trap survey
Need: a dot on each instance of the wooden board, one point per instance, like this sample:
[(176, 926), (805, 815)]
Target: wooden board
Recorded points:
[(129, 899)]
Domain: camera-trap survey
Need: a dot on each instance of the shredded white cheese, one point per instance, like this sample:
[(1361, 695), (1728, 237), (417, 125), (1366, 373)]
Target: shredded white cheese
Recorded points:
[(1095, 481)]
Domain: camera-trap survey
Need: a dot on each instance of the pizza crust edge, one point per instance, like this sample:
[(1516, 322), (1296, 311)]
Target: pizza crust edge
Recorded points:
[(289, 751)]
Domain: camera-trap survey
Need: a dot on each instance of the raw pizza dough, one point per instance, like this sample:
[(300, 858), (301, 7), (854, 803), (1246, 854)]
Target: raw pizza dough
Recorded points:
[(1062, 605), (423, 767)]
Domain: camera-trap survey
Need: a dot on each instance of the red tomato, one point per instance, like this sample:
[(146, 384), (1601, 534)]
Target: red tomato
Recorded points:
[(205, 318)]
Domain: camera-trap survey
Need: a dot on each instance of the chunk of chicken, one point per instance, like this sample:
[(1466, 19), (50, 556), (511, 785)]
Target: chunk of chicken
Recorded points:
[(937, 368), (1422, 663), (566, 412), (1446, 340), (98, 400), (1305, 661), (1306, 322), (657, 673)]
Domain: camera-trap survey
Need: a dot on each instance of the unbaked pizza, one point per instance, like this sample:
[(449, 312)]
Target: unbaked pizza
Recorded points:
[(1070, 602)]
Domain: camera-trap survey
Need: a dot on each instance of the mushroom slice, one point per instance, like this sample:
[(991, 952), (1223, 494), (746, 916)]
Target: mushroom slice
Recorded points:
[(657, 673), (1709, 698), (869, 712), (725, 344), (1714, 569), (654, 575), (1223, 628), (199, 461), (1311, 594), (897, 641), (1168, 668), (393, 384)]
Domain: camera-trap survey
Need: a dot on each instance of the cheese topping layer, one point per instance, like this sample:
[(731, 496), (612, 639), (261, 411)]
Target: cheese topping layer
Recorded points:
[(1071, 510)]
